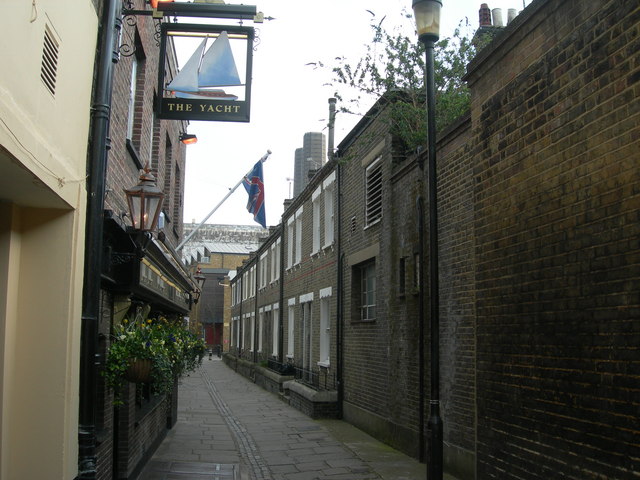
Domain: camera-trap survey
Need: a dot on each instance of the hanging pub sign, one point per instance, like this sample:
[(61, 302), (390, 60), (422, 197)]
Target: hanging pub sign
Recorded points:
[(214, 82)]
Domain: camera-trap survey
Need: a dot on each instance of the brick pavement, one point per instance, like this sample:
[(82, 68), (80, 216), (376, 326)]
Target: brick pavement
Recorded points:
[(230, 429)]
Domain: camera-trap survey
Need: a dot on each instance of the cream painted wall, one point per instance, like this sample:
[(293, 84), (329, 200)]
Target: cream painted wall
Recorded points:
[(42, 247), (48, 133), (41, 362)]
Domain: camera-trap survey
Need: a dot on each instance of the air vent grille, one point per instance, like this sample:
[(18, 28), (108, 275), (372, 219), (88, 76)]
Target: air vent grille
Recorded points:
[(49, 68)]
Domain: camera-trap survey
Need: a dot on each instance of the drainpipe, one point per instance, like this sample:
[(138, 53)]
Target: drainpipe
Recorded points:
[(89, 360), (339, 255), (281, 310), (240, 332), (256, 317)]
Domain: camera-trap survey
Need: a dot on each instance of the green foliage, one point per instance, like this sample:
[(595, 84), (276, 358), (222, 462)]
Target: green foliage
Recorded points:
[(172, 349), (396, 62)]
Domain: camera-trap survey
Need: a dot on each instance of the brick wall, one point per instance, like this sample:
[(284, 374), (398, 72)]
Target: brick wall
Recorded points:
[(369, 377), (136, 437), (557, 170), (149, 138), (457, 297)]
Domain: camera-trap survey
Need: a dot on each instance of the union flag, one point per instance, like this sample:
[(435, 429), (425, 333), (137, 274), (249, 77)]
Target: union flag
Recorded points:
[(254, 185)]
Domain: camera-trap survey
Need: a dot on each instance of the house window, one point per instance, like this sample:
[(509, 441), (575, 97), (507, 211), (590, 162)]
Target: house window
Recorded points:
[(325, 327), (245, 285), (290, 230), (245, 327), (263, 270), (328, 210), (364, 291), (253, 331), (275, 316), (252, 282), (316, 227), (261, 315), (234, 332), (168, 170), (291, 317), (275, 260), (298, 256), (177, 198), (306, 302), (373, 188)]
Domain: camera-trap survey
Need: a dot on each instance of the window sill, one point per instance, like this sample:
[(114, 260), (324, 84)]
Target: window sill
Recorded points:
[(373, 224), (135, 156), (325, 364), (330, 246), (354, 322)]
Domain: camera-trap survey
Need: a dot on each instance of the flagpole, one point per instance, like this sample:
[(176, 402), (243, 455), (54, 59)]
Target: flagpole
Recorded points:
[(263, 159)]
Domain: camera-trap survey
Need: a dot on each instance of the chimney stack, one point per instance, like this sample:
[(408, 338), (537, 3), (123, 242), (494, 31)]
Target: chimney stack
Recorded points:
[(485, 15), (511, 14), (497, 17), (332, 124)]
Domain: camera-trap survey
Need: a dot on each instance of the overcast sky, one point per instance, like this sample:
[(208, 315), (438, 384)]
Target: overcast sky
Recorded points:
[(290, 98)]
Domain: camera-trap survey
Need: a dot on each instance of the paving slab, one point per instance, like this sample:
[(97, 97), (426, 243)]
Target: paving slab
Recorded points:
[(230, 429)]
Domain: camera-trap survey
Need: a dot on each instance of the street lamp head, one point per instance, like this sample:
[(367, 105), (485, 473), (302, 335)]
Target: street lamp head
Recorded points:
[(200, 278), (145, 202), (427, 15)]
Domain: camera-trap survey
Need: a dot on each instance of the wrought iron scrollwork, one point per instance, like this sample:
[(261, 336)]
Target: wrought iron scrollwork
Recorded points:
[(128, 25)]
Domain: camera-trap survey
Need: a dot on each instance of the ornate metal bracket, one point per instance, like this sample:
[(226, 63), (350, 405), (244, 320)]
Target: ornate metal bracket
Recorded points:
[(128, 24)]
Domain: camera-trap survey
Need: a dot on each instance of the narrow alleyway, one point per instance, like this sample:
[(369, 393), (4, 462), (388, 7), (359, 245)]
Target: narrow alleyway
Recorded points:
[(230, 429)]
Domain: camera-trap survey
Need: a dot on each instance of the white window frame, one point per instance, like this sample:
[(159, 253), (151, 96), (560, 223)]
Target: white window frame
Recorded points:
[(272, 252), (275, 318), (252, 282), (298, 249), (316, 224), (264, 269), (325, 327), (133, 87), (276, 258), (329, 212), (260, 329), (253, 332), (233, 332), (244, 329), (290, 240), (291, 319)]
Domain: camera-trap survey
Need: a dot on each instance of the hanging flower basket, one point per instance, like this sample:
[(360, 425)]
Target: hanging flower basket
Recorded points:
[(139, 370), (152, 351)]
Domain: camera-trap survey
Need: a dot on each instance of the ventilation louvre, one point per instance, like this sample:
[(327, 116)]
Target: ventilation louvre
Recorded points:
[(49, 69)]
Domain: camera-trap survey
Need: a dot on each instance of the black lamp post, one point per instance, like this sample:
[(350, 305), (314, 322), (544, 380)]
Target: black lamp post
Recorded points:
[(427, 15)]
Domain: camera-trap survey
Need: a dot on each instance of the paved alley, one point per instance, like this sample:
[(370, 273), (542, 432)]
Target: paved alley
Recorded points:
[(230, 429)]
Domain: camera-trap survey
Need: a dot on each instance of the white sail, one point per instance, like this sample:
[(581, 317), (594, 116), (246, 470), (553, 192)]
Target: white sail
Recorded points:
[(187, 79), (216, 68)]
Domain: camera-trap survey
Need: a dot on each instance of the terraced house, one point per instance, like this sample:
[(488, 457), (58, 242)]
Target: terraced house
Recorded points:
[(539, 265)]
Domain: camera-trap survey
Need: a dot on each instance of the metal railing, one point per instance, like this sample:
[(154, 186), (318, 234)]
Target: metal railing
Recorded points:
[(318, 380)]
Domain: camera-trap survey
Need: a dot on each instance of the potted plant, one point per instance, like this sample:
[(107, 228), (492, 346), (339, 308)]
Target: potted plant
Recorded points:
[(153, 351)]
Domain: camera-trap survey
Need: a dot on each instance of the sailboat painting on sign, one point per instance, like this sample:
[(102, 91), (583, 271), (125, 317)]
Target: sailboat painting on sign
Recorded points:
[(214, 83), (204, 73)]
